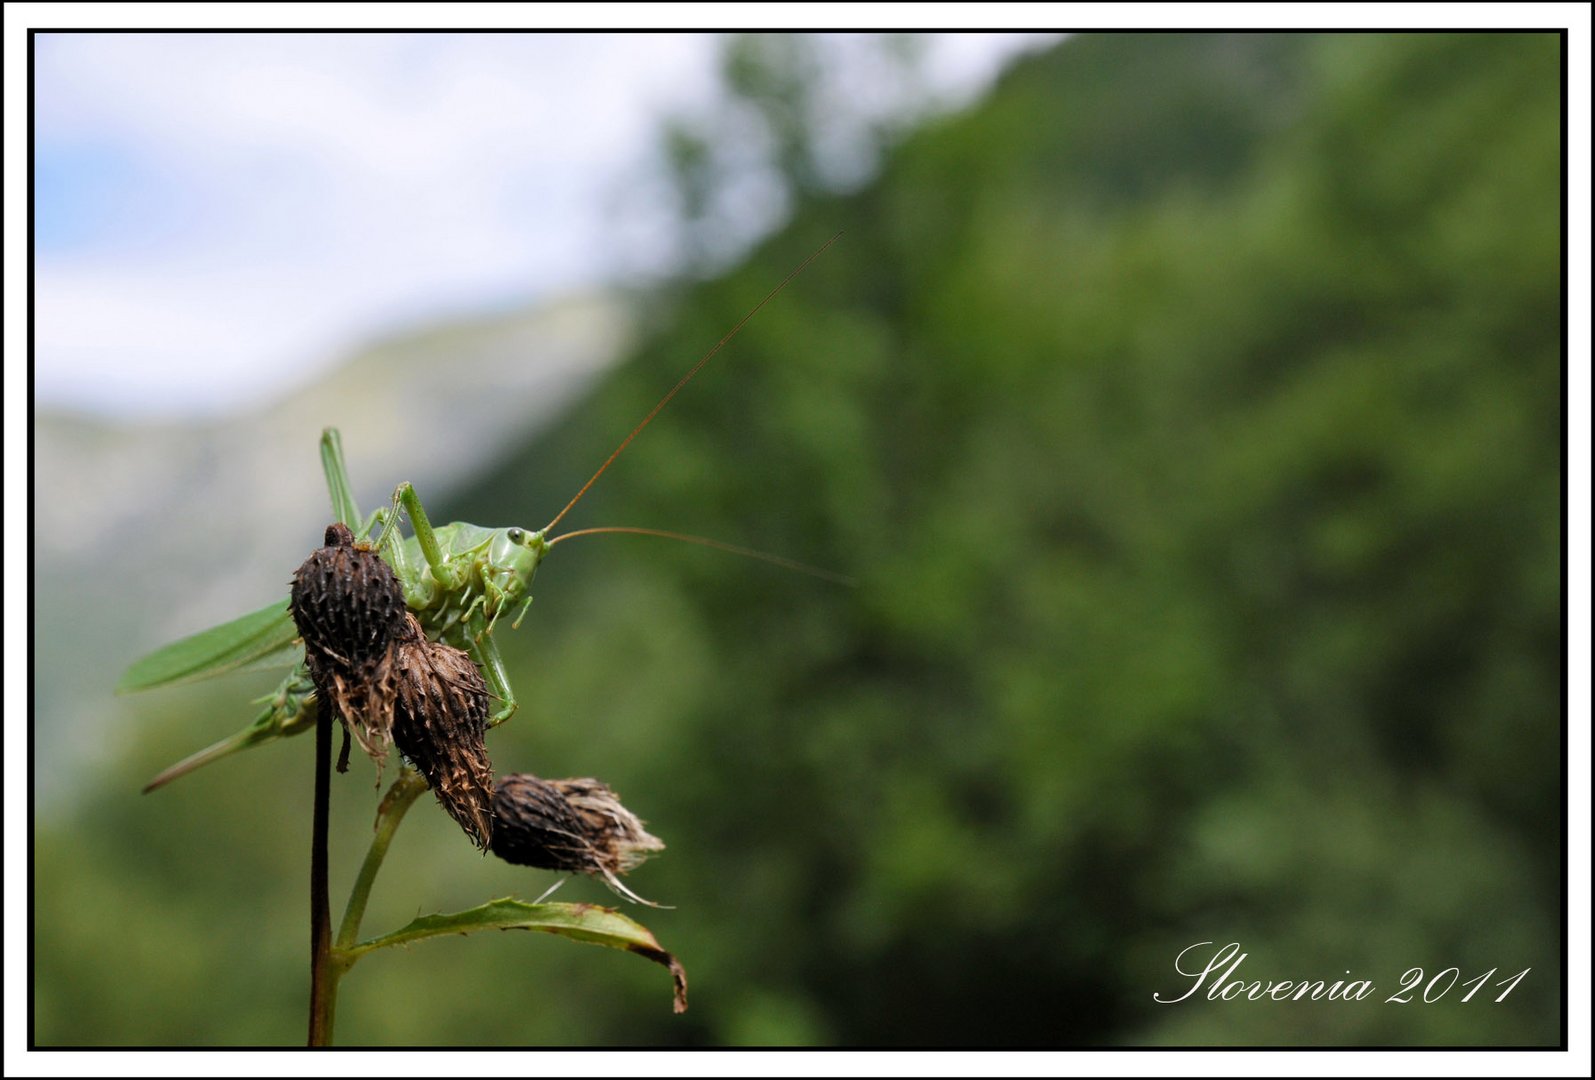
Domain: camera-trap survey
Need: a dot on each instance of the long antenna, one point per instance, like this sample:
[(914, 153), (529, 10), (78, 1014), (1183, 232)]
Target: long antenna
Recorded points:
[(720, 545), (685, 379)]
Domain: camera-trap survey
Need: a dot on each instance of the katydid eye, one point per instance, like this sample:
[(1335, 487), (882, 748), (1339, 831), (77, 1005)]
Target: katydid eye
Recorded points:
[(517, 536)]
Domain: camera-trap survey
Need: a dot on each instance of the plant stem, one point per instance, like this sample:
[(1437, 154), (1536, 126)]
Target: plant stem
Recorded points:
[(323, 982), (404, 791), (328, 963)]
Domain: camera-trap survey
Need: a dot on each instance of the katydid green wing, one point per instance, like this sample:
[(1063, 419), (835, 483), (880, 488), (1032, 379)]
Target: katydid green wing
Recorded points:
[(264, 638)]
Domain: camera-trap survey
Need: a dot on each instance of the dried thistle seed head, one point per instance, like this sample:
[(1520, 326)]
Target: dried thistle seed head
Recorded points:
[(348, 605), (573, 825), (346, 602), (438, 704), (621, 841)]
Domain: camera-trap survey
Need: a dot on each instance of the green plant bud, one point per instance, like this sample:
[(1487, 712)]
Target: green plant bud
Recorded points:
[(438, 703), (577, 826)]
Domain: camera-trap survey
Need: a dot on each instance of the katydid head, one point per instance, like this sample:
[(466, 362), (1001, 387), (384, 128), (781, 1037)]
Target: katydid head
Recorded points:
[(513, 554), (507, 565)]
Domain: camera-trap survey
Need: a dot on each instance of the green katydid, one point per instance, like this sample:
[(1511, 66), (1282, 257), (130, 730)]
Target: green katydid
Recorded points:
[(457, 578)]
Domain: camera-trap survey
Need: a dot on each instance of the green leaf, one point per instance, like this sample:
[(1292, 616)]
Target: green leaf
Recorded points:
[(579, 922), (260, 639)]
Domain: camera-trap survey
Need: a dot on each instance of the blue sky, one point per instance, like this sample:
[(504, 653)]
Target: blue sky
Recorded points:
[(218, 217)]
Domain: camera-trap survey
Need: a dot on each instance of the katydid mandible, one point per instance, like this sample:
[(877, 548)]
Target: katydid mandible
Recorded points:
[(457, 578)]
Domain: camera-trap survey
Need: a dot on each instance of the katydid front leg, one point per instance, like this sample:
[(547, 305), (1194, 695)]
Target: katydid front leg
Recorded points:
[(292, 708)]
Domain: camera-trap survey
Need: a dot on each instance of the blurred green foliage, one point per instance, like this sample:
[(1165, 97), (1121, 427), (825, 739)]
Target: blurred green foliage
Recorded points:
[(1189, 413)]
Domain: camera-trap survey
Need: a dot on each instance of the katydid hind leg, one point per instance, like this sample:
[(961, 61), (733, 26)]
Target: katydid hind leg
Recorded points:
[(291, 710), (242, 740), (339, 489)]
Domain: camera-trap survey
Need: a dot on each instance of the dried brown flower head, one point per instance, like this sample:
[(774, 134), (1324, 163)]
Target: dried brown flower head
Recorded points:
[(573, 825), (348, 606), (346, 602), (437, 705)]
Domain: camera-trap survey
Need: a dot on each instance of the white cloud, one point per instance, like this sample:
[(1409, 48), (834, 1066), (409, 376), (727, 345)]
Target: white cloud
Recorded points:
[(287, 195)]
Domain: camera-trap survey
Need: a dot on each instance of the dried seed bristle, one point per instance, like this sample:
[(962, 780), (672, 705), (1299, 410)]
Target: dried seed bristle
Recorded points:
[(360, 699), (576, 825), (437, 705)]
